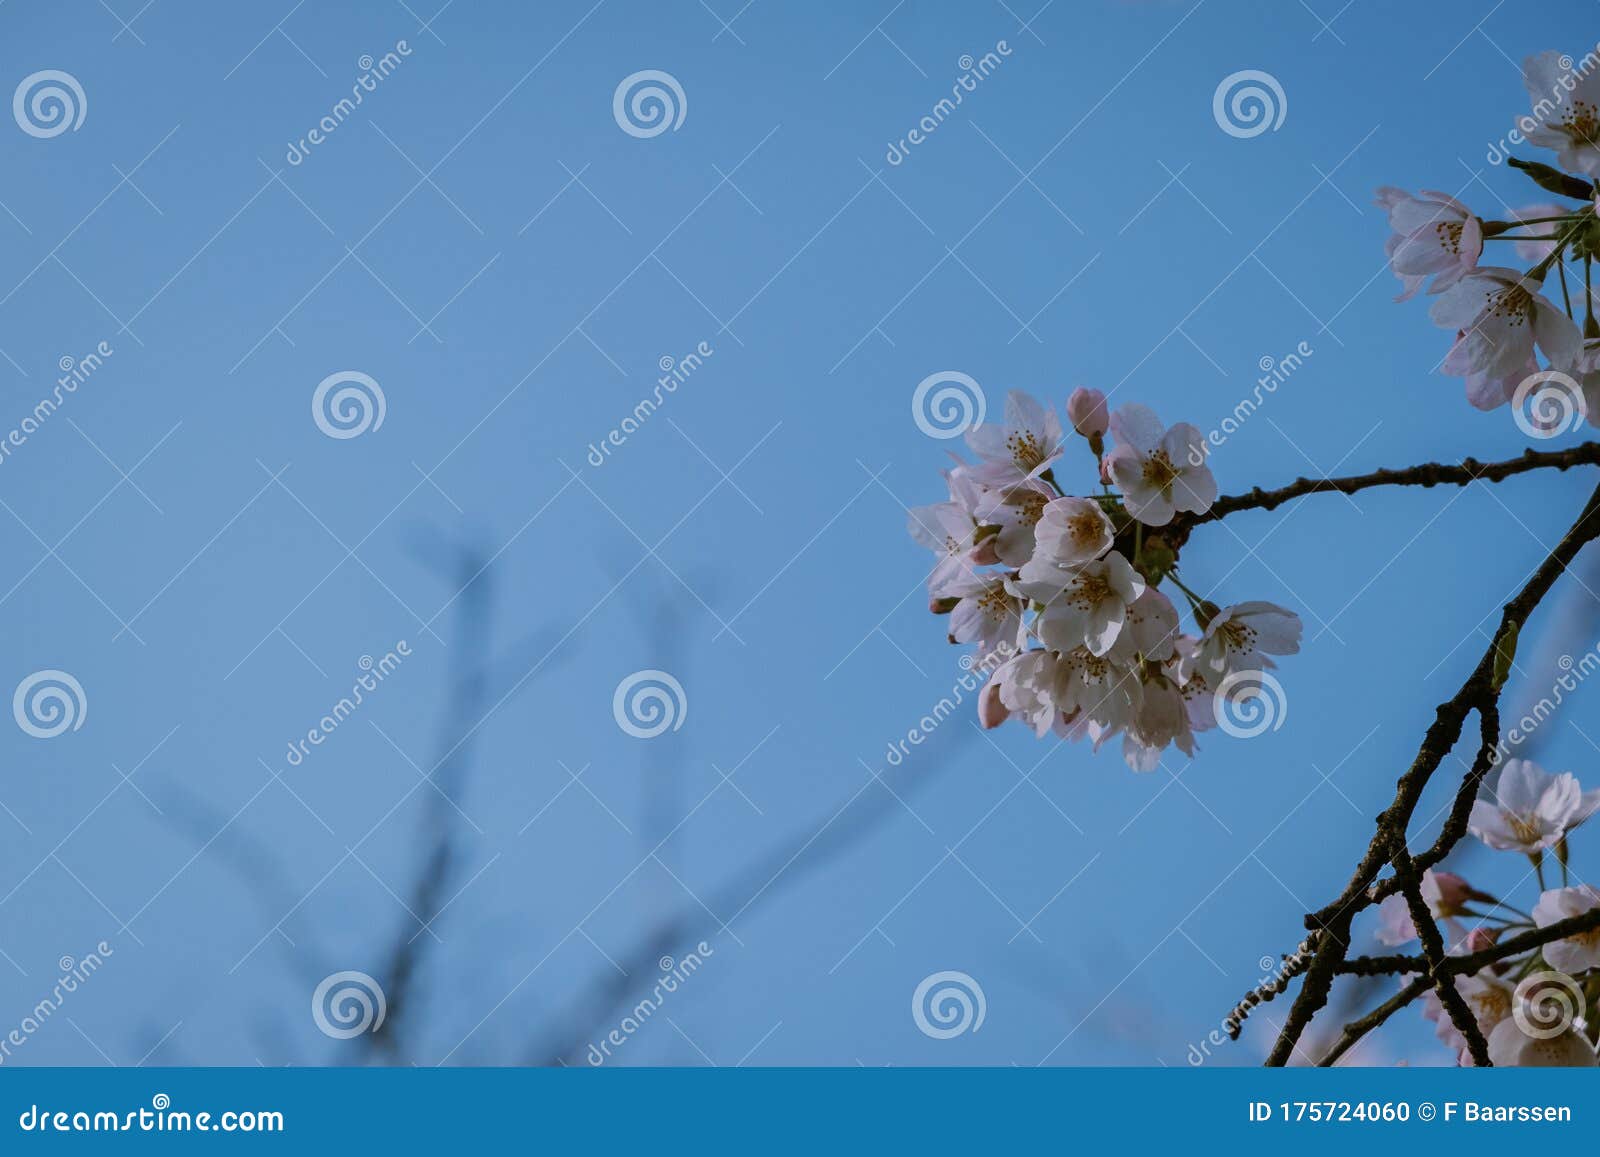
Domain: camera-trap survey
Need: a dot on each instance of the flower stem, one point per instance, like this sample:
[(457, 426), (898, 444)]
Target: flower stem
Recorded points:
[(1541, 220)]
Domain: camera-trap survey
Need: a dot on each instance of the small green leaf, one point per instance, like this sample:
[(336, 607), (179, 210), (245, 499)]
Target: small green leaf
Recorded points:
[(1505, 652)]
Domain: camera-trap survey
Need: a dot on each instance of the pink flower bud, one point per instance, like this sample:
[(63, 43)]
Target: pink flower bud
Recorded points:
[(991, 712), (1086, 410), (1480, 938), (1454, 892)]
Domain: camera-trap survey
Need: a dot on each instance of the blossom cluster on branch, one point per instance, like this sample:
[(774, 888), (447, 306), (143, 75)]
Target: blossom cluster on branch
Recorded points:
[(1067, 586), (1502, 318)]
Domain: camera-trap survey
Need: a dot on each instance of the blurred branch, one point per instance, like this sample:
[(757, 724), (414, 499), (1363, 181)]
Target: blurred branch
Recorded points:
[(849, 826), (465, 707)]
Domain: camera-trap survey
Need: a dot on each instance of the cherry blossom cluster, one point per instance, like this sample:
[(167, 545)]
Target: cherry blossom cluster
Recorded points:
[(1530, 1007), (1504, 318), (1067, 586)]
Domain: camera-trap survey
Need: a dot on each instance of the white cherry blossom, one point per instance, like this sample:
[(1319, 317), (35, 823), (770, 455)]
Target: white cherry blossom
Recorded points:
[(950, 530), (1162, 720), (1031, 687), (1159, 470), (988, 613), (1025, 445), (1502, 316), (1577, 953), (1510, 1047), (1072, 532), (1087, 606), (1434, 235), (1485, 390), (1016, 510), (1242, 636), (1566, 109), (1528, 810)]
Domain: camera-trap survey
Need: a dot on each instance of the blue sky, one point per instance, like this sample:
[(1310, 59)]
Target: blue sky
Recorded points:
[(482, 239)]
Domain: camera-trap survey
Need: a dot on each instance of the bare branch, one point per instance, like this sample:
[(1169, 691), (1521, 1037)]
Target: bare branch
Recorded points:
[(1427, 474), (1331, 925)]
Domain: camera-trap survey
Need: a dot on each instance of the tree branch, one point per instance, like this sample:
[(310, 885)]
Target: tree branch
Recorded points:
[(1426, 474), (1471, 962), (1460, 1014), (1331, 925), (1359, 1028)]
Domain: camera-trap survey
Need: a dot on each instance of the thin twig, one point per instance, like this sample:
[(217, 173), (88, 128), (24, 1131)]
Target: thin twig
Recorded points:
[(1360, 1027), (1427, 474)]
